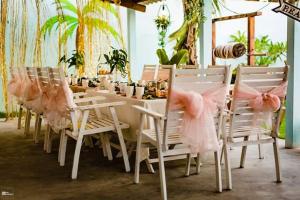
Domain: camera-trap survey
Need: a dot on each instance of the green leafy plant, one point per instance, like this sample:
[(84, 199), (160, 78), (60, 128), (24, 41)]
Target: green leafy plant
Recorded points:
[(162, 24), (275, 51), (77, 59), (117, 60), (181, 57)]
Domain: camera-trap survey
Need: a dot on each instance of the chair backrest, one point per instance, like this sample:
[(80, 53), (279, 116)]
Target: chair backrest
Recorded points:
[(43, 76), (197, 80), (149, 72), (197, 66), (32, 73), (57, 78), (163, 72), (263, 79)]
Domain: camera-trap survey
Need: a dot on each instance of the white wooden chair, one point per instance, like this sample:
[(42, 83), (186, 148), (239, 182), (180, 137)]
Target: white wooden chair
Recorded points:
[(87, 125), (197, 66), (18, 71), (240, 129), (197, 80), (149, 72), (32, 75)]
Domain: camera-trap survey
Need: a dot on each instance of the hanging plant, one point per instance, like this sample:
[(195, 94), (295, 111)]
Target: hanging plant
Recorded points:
[(162, 22)]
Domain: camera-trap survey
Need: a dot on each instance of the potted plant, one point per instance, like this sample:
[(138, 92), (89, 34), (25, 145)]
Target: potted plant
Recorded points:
[(77, 60), (117, 60)]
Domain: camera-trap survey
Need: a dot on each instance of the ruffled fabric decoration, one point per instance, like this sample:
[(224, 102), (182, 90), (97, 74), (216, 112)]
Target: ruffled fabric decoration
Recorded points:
[(198, 129), (264, 104)]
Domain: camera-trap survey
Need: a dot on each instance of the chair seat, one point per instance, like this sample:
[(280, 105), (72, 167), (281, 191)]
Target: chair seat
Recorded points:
[(99, 123), (95, 125), (173, 138)]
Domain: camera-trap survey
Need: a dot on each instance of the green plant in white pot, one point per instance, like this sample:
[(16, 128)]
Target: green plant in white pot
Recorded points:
[(117, 60)]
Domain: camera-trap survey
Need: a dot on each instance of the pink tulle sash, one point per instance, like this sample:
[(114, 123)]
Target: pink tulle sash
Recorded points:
[(265, 102), (14, 85), (52, 101), (198, 129)]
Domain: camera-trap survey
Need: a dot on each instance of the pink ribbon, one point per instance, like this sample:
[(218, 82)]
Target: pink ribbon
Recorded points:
[(198, 129), (266, 102)]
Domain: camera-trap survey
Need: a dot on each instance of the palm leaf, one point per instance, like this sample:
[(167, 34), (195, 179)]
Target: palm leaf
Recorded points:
[(180, 32), (67, 5), (49, 24), (104, 5), (68, 32), (102, 25)]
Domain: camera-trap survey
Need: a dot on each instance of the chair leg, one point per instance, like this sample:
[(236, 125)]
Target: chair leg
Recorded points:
[(137, 159), (20, 117), (27, 122), (63, 148), (227, 167), (188, 164), (163, 184), (76, 157), (149, 166), (60, 144), (49, 141), (277, 161), (218, 171), (162, 174), (243, 155), (37, 130), (260, 149), (121, 139), (102, 142), (222, 153), (108, 147), (88, 141), (198, 163), (46, 137)]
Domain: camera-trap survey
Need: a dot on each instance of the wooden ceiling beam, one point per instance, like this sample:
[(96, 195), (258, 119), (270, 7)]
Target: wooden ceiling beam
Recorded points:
[(253, 14), (132, 5)]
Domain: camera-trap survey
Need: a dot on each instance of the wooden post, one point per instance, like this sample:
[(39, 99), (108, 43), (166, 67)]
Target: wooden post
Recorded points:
[(213, 42), (251, 40)]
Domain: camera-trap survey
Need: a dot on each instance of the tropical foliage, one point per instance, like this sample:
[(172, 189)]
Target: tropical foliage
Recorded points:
[(187, 35), (275, 50), (179, 58), (72, 19)]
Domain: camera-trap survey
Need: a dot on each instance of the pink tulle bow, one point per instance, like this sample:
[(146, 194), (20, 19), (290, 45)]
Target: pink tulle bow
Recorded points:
[(198, 130), (14, 85), (267, 101)]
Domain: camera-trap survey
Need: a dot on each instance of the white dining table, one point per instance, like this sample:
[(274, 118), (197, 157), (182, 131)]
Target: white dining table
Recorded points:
[(128, 114), (131, 116)]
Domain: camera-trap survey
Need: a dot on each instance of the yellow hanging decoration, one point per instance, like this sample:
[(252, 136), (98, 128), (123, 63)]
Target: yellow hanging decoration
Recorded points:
[(37, 49), (3, 69)]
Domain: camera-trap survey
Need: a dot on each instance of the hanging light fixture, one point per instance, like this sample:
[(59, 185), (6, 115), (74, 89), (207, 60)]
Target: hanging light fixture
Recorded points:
[(162, 22)]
